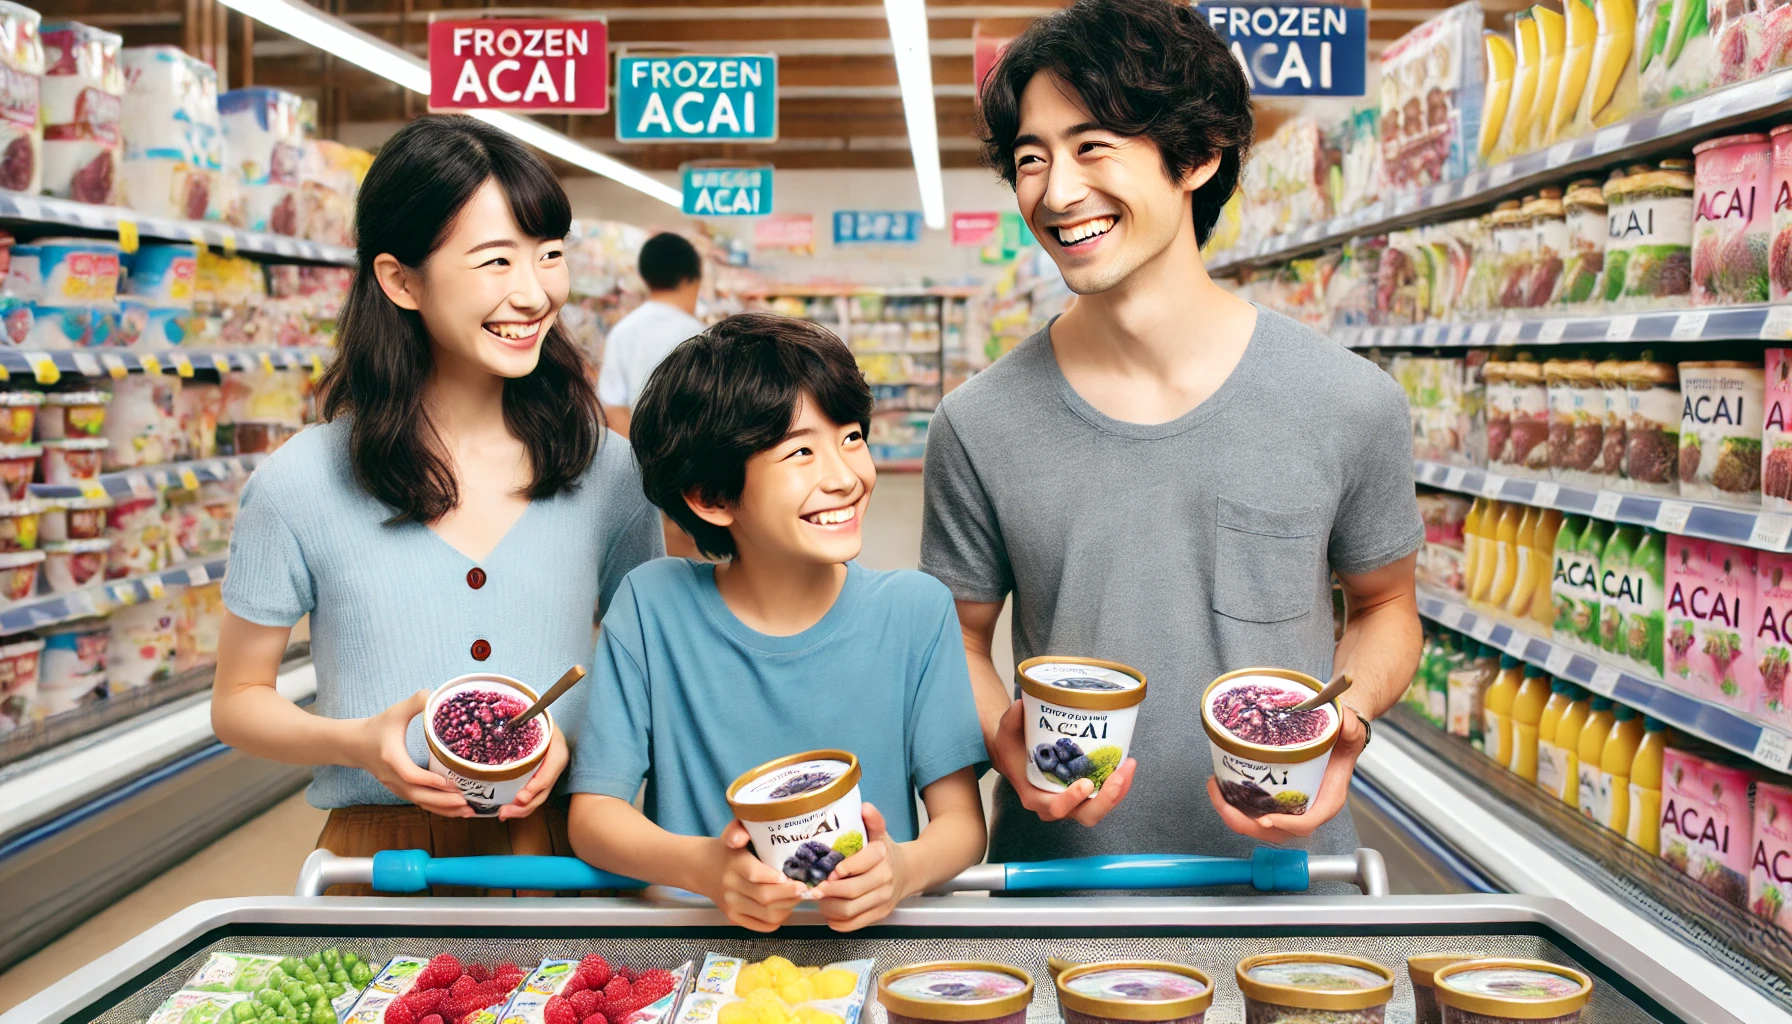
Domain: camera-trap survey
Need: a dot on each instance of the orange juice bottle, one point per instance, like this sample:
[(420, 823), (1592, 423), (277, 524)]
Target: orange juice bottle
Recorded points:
[(1549, 770), (1496, 711), (1482, 583), (1543, 553), (1591, 754), (1643, 826), (1505, 555), (1471, 543), (1614, 768), (1524, 584), (1567, 744), (1527, 715)]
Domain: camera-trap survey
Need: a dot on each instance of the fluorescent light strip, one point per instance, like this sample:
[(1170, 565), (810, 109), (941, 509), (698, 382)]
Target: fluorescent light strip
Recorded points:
[(914, 69), (351, 44)]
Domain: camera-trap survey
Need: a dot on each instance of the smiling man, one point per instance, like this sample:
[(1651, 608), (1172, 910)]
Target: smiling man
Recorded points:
[(1166, 475)]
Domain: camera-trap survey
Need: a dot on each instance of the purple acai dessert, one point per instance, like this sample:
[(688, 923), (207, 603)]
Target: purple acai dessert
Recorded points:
[(1255, 713), (471, 724)]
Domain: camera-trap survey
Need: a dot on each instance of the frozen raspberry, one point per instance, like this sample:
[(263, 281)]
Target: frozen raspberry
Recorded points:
[(399, 1012), (558, 1011), (497, 990), (575, 983), (618, 989), (463, 986), (597, 1018), (595, 971), (440, 972), (427, 1001), (479, 973), (624, 970), (584, 1004), (431, 1019)]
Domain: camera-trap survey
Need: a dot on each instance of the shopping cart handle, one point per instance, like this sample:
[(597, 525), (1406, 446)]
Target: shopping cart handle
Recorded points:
[(416, 871), (1266, 870)]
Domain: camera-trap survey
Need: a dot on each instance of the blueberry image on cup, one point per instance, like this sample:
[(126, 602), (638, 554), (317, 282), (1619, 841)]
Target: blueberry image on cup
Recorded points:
[(1066, 761), (803, 812)]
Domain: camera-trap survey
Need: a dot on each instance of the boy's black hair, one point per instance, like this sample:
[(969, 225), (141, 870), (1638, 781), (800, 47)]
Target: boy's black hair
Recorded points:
[(728, 394), (668, 260), (1150, 68)]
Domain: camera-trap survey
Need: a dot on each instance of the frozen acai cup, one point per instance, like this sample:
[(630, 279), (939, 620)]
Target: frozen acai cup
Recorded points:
[(1079, 718), (469, 746), (1422, 969), (1314, 988), (802, 812), (962, 992), (1498, 991), (1133, 990), (1268, 760)]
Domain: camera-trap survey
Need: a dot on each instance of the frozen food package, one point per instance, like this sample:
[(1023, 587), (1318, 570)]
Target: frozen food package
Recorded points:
[(1709, 837), (1651, 427), (21, 76), (1585, 211), (1675, 59), (1770, 875), (1431, 98), (1771, 627), (1776, 18), (82, 99), (1732, 220), (1721, 431), (1648, 253), (1738, 40), (173, 144), (143, 644)]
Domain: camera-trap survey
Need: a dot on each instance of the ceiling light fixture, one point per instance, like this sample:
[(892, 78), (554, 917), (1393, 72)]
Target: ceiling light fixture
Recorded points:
[(914, 70), (343, 40)]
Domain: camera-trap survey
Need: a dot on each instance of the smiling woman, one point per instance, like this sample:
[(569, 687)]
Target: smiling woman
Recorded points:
[(457, 515)]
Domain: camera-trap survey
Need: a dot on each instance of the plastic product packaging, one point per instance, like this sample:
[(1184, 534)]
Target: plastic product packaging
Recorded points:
[(21, 75), (70, 565), (1739, 40), (1513, 244), (19, 525), (1721, 431), (1733, 220), (71, 271), (1675, 54), (142, 423), (18, 574), (83, 103), (140, 542), (20, 660), (1776, 431), (1552, 46), (1779, 254), (142, 648), (151, 326), (18, 415), (1770, 878), (1548, 249), (264, 146), (1776, 17), (18, 467), (1652, 426), (1771, 630), (1710, 609), (1515, 127), (1612, 409), (1584, 206), (1576, 421), (164, 273), (1648, 253), (201, 617), (1501, 991), (1431, 97), (73, 414), (1706, 827), (73, 518), (172, 139), (1527, 449)]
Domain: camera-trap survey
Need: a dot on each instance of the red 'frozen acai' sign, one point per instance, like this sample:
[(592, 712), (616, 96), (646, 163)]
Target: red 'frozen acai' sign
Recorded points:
[(519, 64)]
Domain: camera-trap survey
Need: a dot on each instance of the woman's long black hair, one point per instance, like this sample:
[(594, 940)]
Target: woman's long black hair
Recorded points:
[(407, 206)]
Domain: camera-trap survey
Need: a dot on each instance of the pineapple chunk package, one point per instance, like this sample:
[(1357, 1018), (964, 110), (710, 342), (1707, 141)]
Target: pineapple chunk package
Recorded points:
[(731, 990), (240, 988)]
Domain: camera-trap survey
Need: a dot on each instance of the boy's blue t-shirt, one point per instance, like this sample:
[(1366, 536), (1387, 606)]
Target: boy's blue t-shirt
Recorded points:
[(688, 697)]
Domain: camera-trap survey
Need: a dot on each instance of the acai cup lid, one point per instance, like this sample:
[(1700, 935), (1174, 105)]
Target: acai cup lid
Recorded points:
[(756, 796), (1513, 989), (1086, 684), (955, 990), (473, 769), (1315, 981), (1141, 990), (1424, 967), (1297, 753)]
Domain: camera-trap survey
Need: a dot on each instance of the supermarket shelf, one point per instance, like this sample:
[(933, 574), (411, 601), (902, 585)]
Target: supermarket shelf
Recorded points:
[(1722, 726), (1769, 531), (1675, 128), (147, 480), (898, 465), (50, 367), (101, 598), (896, 352), (66, 214), (1720, 323)]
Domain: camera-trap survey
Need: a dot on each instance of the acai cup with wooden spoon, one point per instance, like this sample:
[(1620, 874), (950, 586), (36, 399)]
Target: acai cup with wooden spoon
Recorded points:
[(466, 724)]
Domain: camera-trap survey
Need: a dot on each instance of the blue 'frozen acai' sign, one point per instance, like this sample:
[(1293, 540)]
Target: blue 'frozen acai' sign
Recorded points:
[(1295, 49), (695, 98)]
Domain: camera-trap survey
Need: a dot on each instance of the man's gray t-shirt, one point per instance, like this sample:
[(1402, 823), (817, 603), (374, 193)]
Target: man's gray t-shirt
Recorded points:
[(1185, 549)]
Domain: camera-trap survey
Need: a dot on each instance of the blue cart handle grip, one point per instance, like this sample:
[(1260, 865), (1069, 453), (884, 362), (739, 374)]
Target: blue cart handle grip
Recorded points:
[(416, 871), (1266, 870)]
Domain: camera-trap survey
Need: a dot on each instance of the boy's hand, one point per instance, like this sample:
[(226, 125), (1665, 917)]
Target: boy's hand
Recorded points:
[(751, 894), (865, 887), (379, 747), (1080, 802), (535, 792)]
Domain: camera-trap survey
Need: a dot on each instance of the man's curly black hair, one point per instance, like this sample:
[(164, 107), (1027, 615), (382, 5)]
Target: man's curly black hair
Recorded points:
[(1151, 68)]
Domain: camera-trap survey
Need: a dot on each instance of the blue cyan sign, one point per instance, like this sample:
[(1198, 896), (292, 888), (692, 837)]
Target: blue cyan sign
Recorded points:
[(877, 227), (697, 98), (1295, 49), (727, 191)]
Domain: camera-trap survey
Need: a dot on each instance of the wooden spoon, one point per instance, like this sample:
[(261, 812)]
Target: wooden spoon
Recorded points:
[(1325, 696), (573, 675)]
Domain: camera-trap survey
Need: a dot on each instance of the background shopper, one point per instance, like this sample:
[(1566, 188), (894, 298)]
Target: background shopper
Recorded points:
[(639, 341)]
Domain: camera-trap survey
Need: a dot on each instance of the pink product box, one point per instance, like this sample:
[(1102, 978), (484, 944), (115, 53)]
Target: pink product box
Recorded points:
[(1707, 829), (1776, 429), (1711, 621), (1770, 875), (1772, 639)]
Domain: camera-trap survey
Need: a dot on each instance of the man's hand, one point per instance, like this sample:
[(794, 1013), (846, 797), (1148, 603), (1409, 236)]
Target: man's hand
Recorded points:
[(1008, 752), (1281, 828), (865, 887), (748, 892), (379, 747), (535, 792)]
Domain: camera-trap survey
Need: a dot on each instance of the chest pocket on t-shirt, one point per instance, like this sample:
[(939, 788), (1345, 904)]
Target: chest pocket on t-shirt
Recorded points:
[(1265, 561)]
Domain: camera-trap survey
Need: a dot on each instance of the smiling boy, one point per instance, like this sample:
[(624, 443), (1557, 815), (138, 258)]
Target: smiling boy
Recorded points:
[(1166, 475), (751, 436)]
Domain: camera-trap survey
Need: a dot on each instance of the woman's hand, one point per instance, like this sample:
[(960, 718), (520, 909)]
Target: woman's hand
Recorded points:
[(535, 792), (379, 748), (865, 887), (748, 892)]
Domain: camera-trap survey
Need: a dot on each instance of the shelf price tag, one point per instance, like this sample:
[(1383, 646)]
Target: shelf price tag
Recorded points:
[(157, 590), (1778, 324), (317, 366), (29, 209), (43, 367), (220, 362), (1453, 616), (1771, 531), (127, 234), (1483, 628), (1500, 174), (1774, 749), (1620, 328), (92, 490), (124, 593), (1517, 643), (1477, 334), (1605, 678), (1492, 485), (182, 365), (1690, 325), (1672, 515), (1557, 662), (1509, 330), (267, 362), (229, 240), (189, 480), (1558, 154), (81, 602), (114, 365), (139, 485), (197, 576), (196, 236), (1453, 478), (1546, 493), (86, 365), (1551, 331), (1610, 138), (1606, 505), (150, 363)]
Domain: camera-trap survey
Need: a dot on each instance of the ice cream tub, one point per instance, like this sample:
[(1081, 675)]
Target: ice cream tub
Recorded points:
[(18, 467), (1322, 988), (90, 325), (1770, 874), (1268, 761), (151, 324), (20, 658), (1720, 431), (20, 525), (82, 102), (1133, 990), (1732, 220), (163, 273), (18, 415), (73, 564), (1706, 827), (77, 271), (1080, 714), (1495, 991), (18, 574), (73, 460), (1779, 253), (1422, 969), (488, 766), (73, 414), (959, 991), (74, 665), (803, 812)]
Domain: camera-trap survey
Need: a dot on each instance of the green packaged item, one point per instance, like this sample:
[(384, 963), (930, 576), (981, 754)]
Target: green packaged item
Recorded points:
[(1640, 604), (236, 972), (193, 1007), (1567, 577), (1676, 59), (1614, 583), (1589, 602)]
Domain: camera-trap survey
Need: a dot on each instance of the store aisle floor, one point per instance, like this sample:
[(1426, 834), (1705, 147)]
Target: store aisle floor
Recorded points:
[(262, 857)]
